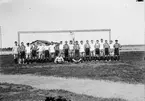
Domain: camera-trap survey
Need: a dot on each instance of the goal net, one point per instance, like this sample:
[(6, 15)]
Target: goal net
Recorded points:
[(65, 35)]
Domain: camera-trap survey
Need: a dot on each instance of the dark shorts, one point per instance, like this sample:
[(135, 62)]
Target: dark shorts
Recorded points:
[(66, 52), (46, 53), (22, 54), (116, 51), (87, 51), (97, 51), (77, 53), (34, 53), (106, 51), (56, 52)]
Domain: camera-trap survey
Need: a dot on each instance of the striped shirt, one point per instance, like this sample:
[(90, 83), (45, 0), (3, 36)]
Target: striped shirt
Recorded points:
[(117, 45), (22, 48)]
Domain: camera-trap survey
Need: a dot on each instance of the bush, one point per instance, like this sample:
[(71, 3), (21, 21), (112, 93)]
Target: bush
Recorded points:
[(59, 98)]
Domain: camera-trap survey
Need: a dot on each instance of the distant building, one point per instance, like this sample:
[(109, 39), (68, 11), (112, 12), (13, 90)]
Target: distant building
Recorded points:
[(43, 42)]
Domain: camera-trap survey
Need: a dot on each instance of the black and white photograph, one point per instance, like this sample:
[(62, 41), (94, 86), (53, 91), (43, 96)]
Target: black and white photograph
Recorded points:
[(72, 50)]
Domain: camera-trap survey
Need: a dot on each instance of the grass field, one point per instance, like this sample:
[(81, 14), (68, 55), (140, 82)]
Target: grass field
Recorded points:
[(130, 69), (15, 92)]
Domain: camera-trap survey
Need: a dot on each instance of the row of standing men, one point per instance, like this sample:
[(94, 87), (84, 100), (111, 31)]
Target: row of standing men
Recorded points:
[(92, 50)]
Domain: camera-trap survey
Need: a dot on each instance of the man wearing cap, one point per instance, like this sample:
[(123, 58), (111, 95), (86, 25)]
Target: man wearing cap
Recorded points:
[(106, 50), (117, 47)]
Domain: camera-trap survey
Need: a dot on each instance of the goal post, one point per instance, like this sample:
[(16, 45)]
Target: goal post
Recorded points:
[(63, 31)]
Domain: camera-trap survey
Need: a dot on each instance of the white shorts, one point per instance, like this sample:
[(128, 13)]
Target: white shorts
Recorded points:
[(92, 49), (28, 55), (40, 52), (82, 50), (15, 55), (52, 51)]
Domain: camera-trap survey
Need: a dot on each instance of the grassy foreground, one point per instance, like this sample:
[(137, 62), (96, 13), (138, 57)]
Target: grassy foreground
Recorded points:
[(130, 69), (15, 92), (113, 71)]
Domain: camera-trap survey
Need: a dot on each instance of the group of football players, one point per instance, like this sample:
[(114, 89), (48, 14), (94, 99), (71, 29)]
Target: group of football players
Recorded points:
[(72, 51)]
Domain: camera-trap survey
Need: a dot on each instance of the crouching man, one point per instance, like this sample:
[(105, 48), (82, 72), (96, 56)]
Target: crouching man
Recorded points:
[(77, 59), (59, 59)]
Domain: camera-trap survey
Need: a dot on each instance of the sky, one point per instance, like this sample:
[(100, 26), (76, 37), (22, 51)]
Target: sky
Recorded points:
[(125, 18)]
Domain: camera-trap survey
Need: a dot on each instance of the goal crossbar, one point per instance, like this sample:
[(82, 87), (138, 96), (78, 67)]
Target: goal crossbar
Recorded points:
[(64, 31)]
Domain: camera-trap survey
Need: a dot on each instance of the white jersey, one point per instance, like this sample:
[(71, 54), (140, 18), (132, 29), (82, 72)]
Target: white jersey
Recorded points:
[(28, 49), (61, 46), (111, 46), (46, 47), (40, 48), (97, 45), (101, 45), (82, 48), (52, 50), (71, 46), (92, 46), (15, 49)]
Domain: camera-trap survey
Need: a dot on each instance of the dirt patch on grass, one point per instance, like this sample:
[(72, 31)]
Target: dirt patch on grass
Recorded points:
[(15, 92)]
